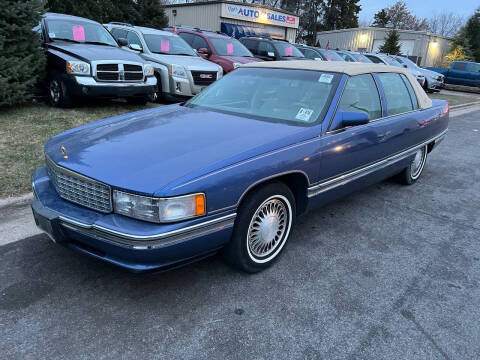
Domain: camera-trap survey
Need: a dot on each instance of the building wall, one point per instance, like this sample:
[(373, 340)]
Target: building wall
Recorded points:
[(208, 16), (429, 48)]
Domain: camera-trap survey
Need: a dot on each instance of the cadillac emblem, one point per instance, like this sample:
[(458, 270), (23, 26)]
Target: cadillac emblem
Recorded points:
[(64, 152)]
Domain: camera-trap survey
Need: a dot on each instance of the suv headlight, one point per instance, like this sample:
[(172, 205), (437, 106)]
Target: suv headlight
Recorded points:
[(177, 70), (159, 210), (148, 70), (78, 67)]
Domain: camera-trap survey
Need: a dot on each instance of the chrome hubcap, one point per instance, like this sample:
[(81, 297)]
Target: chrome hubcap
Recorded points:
[(418, 163), (54, 91), (267, 228)]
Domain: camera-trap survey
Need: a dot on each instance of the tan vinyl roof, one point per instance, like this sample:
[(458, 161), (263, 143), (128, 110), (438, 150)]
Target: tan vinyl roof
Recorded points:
[(349, 68)]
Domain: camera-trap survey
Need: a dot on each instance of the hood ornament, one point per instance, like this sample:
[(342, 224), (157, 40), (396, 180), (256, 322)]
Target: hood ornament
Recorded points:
[(64, 152)]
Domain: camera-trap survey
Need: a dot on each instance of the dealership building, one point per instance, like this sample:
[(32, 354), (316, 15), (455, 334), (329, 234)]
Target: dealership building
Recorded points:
[(234, 19), (425, 48)]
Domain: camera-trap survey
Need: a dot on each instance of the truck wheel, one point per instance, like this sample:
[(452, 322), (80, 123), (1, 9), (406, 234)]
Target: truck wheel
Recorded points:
[(410, 174), (262, 228), (58, 93)]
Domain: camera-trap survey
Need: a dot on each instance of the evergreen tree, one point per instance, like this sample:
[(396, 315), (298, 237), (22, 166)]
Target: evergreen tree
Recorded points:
[(21, 58), (381, 19), (471, 35), (151, 14), (391, 45), (340, 14)]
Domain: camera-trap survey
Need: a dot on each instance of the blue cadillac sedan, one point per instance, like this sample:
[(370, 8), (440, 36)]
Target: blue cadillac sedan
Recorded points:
[(232, 168)]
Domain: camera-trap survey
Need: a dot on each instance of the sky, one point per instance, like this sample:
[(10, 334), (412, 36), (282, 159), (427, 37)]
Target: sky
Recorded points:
[(420, 8)]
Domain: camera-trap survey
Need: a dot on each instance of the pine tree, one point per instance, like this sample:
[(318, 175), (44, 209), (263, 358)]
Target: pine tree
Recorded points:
[(471, 32), (391, 45), (21, 58), (151, 14)]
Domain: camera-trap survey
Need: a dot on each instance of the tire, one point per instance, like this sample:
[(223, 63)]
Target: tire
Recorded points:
[(58, 95), (141, 100), (412, 173), (255, 245), (425, 87)]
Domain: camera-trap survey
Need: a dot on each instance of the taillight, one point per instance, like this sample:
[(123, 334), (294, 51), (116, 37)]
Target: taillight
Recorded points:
[(447, 108)]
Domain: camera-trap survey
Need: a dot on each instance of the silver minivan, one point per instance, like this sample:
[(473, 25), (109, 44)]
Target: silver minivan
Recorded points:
[(181, 73)]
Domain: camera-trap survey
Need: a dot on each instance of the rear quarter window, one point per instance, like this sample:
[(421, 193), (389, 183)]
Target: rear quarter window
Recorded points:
[(460, 66), (413, 96), (396, 93)]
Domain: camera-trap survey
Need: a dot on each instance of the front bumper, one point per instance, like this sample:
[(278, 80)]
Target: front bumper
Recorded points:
[(88, 86), (129, 243)]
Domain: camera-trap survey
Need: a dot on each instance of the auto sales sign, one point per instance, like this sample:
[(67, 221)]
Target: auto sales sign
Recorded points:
[(258, 15)]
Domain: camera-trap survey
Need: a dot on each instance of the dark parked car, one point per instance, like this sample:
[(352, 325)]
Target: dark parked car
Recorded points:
[(234, 166), (84, 60), (270, 49), (219, 48), (353, 56), (315, 53), (460, 73)]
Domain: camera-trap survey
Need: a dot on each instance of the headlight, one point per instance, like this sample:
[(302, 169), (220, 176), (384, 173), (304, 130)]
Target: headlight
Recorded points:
[(159, 210), (236, 65), (177, 70), (148, 70), (78, 67)]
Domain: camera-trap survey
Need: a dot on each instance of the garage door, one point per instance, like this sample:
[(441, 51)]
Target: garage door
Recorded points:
[(406, 46)]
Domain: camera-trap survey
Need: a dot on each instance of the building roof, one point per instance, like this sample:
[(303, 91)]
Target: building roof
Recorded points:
[(372, 28), (349, 68), (230, 2)]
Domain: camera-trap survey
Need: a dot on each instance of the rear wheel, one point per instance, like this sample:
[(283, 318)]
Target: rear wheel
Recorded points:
[(262, 228), (415, 169)]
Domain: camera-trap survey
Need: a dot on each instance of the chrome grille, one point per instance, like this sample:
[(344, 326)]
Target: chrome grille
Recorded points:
[(79, 189), (115, 72), (204, 78)]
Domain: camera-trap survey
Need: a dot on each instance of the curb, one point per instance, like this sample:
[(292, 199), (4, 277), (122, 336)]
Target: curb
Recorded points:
[(461, 106), (16, 201)]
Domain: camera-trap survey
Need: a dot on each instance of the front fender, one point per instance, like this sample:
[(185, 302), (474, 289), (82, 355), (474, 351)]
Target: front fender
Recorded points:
[(224, 188)]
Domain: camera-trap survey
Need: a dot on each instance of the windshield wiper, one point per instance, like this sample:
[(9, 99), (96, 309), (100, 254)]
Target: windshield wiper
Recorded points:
[(65, 39), (97, 43), (161, 52)]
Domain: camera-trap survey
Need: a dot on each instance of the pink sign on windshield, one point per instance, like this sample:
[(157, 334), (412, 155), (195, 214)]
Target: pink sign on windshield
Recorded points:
[(78, 33), (289, 51), (329, 57), (229, 48), (165, 46)]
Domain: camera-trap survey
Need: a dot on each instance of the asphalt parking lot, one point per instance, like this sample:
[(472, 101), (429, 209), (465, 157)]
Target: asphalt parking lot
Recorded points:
[(391, 272)]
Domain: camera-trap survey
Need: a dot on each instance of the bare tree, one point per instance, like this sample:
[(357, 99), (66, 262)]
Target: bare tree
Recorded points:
[(445, 23), (397, 16)]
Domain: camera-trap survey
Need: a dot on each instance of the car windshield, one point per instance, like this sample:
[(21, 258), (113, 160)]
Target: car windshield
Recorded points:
[(79, 31), (406, 61), (168, 44), (286, 49), (229, 47), (295, 97), (330, 55)]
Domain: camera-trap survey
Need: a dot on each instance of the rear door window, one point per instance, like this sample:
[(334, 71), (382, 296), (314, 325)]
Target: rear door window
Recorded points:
[(199, 43), (361, 94), (413, 96), (474, 67), (375, 59), (187, 37), (119, 33), (396, 93), (460, 66)]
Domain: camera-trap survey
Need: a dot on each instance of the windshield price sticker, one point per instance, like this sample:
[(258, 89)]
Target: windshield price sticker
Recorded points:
[(229, 48), (165, 45), (304, 114), (289, 51), (78, 33), (326, 78)]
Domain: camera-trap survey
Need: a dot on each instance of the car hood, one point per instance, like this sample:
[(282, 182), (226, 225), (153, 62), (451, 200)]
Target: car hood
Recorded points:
[(432, 73), (145, 151), (241, 59), (88, 52), (190, 62)]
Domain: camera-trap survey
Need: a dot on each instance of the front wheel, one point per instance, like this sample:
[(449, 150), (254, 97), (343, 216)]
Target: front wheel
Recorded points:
[(262, 228), (57, 93), (410, 174)]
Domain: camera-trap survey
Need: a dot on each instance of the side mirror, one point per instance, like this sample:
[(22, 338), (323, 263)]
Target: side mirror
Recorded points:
[(135, 47), (122, 42), (354, 118), (203, 51)]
